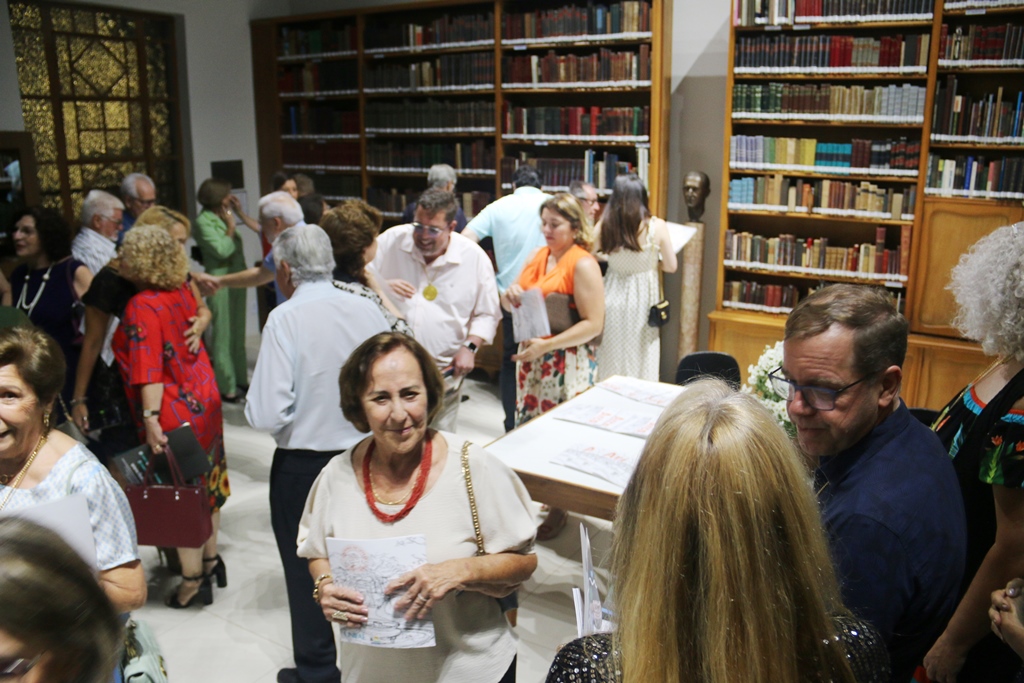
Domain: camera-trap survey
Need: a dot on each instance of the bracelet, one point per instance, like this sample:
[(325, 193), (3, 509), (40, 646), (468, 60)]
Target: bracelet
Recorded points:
[(316, 586), (150, 413), (77, 401)]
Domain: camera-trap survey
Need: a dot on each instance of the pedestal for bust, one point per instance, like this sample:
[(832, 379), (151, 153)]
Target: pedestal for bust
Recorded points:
[(692, 259)]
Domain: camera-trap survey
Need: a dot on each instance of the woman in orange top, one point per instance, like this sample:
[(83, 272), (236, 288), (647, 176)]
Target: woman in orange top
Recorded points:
[(553, 369)]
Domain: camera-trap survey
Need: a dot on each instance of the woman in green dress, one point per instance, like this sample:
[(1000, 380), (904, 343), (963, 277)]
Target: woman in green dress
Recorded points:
[(221, 247)]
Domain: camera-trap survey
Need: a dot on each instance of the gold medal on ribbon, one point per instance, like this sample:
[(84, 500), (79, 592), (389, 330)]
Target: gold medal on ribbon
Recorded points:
[(430, 292)]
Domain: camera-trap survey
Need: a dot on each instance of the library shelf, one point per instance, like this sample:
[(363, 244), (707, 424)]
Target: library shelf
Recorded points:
[(890, 280), (896, 175), (420, 172), (741, 306), (748, 118), (783, 212), (826, 23), (588, 86), (470, 132), (823, 77), (406, 50), (582, 40), (978, 146), (316, 137), (322, 168), (972, 194), (481, 89), (818, 73), (603, 140), (321, 95), (317, 56)]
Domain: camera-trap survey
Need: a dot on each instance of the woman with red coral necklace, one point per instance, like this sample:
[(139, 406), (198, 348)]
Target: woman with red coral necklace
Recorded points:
[(406, 479)]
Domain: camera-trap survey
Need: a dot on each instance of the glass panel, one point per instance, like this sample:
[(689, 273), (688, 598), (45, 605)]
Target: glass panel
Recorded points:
[(135, 124), (53, 201), (61, 19), (64, 65), (49, 178), (85, 21), (71, 130), (156, 63), (93, 144), (25, 15), (104, 175), (39, 121), (132, 69), (157, 30), (30, 56), (76, 203), (116, 114), (90, 115), (164, 172), (75, 177), (99, 66), (159, 126), (117, 143)]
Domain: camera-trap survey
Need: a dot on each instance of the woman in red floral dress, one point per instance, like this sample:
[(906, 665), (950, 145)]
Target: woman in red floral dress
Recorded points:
[(170, 382)]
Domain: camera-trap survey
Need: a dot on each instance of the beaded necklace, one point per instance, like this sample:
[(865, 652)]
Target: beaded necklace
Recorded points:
[(417, 488), (23, 297)]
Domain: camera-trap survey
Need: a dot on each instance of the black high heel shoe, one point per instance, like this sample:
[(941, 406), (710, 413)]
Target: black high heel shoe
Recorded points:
[(204, 595), (218, 570)]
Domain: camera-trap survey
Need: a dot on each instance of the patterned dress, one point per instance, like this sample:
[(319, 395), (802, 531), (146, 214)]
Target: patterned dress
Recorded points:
[(1001, 463), (630, 346), (150, 348), (559, 375)]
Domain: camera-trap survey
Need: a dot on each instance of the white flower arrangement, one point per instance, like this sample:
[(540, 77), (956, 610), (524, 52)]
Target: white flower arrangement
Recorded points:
[(760, 386)]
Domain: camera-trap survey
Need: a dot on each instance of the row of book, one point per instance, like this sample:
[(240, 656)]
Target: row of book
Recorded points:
[(325, 36), (788, 12), (473, 68), (976, 176), (333, 186), (831, 53), (829, 102), (394, 200), (447, 29), (628, 16), (313, 153), (978, 43), (894, 156), (318, 77), (573, 121), (475, 155), (431, 114), (605, 66), (787, 252), (597, 168), (822, 197), (970, 117), (757, 296), (318, 118)]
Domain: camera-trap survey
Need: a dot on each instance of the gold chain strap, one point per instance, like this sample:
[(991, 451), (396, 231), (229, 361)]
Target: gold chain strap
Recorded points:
[(472, 499)]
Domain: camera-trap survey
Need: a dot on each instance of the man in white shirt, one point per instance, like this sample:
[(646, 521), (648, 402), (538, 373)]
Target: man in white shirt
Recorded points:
[(96, 242), (295, 396), (445, 288)]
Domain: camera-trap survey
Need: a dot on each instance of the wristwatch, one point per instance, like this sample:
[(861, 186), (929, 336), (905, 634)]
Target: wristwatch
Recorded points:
[(472, 347), (150, 413)]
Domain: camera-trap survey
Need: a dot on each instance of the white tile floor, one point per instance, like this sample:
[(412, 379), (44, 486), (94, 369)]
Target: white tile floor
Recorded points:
[(244, 636)]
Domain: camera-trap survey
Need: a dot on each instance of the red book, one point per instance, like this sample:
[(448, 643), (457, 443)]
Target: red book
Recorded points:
[(905, 231), (595, 114)]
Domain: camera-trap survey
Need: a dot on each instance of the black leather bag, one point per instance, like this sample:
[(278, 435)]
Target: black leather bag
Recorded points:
[(659, 314)]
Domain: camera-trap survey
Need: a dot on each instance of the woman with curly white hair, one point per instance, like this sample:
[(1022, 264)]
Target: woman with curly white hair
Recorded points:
[(983, 428)]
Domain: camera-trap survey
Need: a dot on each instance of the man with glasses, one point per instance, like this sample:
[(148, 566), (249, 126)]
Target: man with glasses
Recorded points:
[(139, 193), (444, 287), (889, 495), (587, 194), (96, 242)]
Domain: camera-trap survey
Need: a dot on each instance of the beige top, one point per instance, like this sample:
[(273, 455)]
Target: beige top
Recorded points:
[(474, 642)]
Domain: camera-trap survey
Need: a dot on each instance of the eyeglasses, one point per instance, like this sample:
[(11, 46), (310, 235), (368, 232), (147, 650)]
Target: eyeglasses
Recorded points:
[(429, 229), (144, 202), (11, 667), (819, 398)]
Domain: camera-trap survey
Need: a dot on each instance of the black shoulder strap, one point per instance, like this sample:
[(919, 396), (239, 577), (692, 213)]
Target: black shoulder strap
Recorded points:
[(973, 444)]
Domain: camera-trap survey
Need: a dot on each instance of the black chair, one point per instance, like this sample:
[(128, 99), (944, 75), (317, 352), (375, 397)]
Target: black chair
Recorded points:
[(708, 363), (926, 415)]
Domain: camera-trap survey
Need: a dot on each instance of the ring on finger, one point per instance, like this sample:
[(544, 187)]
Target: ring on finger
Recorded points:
[(339, 616), (421, 598)]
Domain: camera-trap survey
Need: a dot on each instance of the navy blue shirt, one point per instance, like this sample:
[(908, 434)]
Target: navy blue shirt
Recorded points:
[(891, 506)]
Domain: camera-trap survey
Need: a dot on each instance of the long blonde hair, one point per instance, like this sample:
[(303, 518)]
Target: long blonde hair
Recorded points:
[(721, 567)]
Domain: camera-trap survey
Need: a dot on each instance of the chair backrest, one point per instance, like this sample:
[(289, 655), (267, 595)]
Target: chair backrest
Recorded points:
[(926, 415), (705, 363)]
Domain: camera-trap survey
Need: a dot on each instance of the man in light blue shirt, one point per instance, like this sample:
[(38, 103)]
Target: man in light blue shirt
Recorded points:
[(513, 224)]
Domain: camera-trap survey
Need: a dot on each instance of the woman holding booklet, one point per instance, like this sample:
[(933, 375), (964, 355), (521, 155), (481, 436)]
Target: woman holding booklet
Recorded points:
[(406, 480)]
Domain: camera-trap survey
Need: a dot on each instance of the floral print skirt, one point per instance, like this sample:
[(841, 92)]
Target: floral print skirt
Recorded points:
[(553, 379)]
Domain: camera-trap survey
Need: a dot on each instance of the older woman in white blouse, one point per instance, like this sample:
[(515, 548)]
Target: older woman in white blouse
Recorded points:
[(407, 479)]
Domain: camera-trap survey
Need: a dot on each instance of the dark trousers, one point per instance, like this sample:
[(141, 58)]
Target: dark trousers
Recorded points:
[(508, 370), (291, 476), (510, 675)]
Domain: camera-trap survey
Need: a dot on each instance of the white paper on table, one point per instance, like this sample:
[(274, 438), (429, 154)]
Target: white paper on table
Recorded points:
[(655, 394), (68, 517), (680, 234), (530, 317), (631, 424), (368, 566), (608, 465)]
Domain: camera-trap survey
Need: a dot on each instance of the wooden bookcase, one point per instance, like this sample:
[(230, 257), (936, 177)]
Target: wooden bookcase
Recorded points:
[(335, 98), (893, 86)]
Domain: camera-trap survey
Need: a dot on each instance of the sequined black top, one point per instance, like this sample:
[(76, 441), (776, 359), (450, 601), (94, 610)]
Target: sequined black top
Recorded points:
[(591, 660)]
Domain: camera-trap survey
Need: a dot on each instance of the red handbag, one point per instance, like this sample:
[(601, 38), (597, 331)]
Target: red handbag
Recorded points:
[(173, 515)]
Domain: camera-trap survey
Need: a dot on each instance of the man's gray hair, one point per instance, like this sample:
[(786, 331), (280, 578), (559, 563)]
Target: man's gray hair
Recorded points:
[(440, 175), (281, 205), (307, 250), (129, 184), (100, 203)]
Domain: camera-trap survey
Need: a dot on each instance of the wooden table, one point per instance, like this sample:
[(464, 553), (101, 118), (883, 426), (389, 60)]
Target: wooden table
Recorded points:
[(528, 450)]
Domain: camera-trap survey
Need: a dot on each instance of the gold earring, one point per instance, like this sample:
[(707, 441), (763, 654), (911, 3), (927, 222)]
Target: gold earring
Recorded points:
[(46, 420)]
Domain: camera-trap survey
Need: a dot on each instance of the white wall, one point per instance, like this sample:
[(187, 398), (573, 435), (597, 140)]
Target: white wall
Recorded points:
[(10, 111)]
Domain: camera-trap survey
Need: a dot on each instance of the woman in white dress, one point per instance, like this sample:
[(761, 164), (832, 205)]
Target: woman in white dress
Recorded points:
[(634, 243)]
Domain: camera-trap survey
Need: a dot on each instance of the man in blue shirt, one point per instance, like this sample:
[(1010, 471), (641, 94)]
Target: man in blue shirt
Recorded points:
[(138, 192), (513, 224), (889, 496)]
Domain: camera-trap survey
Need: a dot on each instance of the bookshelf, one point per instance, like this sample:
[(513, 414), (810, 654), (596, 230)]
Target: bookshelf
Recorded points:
[(870, 143), (365, 102)]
